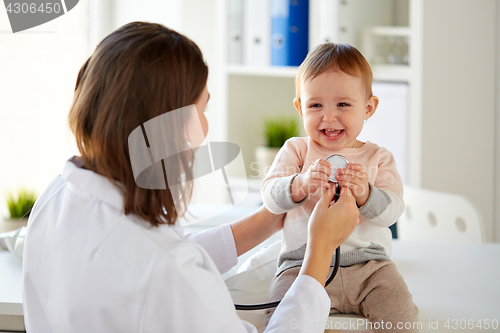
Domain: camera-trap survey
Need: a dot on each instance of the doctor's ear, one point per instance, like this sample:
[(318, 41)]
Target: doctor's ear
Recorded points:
[(371, 106), (298, 107)]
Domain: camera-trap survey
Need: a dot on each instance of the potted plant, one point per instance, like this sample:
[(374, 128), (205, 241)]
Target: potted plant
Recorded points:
[(276, 131), (19, 209)]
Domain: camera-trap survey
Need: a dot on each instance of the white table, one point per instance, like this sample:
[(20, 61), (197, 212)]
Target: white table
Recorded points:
[(452, 281), (449, 281), (453, 285), (11, 301)]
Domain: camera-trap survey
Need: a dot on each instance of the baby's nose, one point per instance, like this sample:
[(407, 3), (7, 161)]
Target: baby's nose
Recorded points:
[(329, 117)]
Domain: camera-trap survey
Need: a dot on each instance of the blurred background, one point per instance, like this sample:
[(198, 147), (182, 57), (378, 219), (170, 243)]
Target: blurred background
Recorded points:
[(436, 65)]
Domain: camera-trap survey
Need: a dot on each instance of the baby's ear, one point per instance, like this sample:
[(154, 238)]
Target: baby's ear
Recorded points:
[(371, 106), (296, 103)]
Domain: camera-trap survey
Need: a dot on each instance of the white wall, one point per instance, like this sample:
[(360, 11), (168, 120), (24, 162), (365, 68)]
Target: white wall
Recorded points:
[(108, 15), (203, 23), (38, 70), (496, 228), (458, 101)]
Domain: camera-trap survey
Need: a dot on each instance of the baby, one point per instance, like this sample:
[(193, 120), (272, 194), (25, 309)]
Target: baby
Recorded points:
[(334, 97)]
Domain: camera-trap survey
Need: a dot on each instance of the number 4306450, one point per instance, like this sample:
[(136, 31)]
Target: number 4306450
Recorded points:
[(485, 324), (32, 8)]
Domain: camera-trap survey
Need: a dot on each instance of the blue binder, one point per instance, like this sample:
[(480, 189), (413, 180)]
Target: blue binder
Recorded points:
[(289, 32)]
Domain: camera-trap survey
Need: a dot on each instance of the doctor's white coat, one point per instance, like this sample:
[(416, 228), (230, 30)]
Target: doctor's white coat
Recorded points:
[(90, 268)]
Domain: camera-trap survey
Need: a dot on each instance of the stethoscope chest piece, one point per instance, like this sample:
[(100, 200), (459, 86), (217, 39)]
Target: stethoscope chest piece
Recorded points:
[(337, 162)]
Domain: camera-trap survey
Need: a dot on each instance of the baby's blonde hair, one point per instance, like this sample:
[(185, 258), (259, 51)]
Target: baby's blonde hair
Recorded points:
[(335, 57)]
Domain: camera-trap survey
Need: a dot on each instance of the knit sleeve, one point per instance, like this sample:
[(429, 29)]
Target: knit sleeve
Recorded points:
[(276, 187), (385, 204)]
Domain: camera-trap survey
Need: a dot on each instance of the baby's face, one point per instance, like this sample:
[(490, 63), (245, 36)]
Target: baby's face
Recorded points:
[(334, 106)]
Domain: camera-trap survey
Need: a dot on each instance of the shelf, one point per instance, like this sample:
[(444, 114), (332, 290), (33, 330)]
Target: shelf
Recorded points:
[(391, 73), (388, 31), (270, 71), (383, 43)]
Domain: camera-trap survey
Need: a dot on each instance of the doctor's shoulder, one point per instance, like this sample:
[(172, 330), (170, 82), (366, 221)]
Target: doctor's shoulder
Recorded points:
[(52, 189)]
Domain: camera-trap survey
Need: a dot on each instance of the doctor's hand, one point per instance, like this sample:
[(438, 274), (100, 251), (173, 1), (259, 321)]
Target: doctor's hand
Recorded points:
[(331, 223), (329, 226)]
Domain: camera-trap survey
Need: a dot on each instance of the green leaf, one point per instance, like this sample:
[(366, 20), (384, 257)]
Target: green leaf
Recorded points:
[(278, 130), (20, 206)]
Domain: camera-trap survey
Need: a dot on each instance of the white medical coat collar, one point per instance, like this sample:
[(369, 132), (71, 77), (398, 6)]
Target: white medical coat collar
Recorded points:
[(88, 183), (93, 184)]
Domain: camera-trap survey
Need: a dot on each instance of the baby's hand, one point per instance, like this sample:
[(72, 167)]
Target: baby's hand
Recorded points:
[(356, 179), (316, 177)]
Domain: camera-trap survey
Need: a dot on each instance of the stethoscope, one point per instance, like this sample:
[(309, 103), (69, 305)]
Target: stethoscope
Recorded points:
[(337, 162)]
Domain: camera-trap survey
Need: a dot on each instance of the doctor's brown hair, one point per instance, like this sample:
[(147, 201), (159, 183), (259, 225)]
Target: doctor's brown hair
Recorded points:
[(138, 72), (335, 57)]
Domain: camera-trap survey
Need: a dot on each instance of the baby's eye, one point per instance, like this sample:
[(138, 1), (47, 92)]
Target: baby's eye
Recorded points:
[(342, 104), (316, 105)]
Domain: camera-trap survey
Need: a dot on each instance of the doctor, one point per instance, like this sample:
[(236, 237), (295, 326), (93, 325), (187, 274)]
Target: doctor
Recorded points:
[(105, 255)]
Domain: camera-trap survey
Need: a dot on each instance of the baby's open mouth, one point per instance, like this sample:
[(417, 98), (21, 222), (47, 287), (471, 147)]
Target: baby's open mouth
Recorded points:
[(331, 132)]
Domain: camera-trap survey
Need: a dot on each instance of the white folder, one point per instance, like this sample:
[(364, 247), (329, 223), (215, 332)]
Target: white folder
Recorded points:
[(323, 22), (257, 32), (329, 21), (235, 31)]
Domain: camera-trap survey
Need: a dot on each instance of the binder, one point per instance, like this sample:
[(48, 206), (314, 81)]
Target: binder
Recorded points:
[(235, 31), (289, 32), (324, 22), (257, 32), (329, 21)]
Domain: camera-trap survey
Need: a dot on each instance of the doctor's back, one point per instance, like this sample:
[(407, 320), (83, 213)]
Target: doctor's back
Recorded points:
[(90, 268)]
